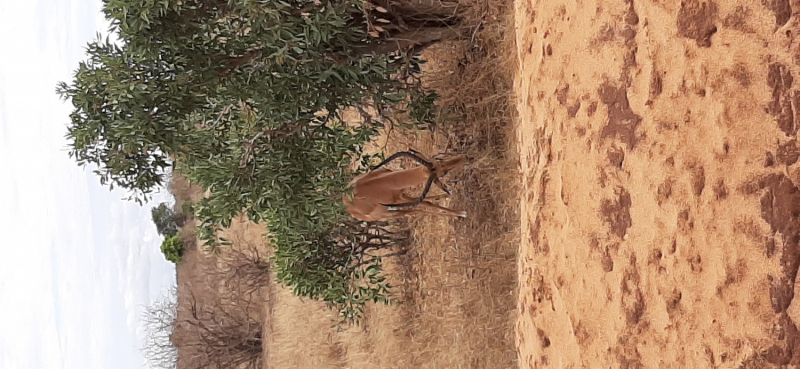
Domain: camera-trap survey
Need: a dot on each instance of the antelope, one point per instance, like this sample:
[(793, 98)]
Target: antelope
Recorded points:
[(380, 194)]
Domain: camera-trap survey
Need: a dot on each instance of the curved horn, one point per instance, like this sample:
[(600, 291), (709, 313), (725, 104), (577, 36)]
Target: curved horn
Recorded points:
[(406, 154), (419, 200)]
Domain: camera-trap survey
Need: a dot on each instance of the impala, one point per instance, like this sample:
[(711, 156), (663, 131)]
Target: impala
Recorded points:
[(381, 193)]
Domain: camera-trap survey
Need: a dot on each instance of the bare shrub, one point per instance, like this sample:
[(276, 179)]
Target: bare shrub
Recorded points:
[(245, 271), (159, 323), (225, 333)]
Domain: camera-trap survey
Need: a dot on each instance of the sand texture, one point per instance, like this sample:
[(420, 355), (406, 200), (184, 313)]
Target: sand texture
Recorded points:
[(660, 202)]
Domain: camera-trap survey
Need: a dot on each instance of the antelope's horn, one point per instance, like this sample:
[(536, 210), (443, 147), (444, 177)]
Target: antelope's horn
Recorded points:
[(406, 154)]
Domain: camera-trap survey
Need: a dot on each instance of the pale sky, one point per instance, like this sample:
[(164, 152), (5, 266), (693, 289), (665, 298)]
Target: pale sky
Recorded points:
[(77, 263)]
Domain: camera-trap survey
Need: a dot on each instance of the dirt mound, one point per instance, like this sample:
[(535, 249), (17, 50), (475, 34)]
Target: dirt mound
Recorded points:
[(658, 146)]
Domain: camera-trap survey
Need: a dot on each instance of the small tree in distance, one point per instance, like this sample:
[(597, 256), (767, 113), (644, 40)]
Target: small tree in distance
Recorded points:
[(165, 220), (217, 333), (159, 323), (172, 248)]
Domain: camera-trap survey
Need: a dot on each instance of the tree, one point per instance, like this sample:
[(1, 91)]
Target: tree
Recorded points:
[(165, 219), (217, 333), (246, 98), (172, 247), (246, 272), (159, 323), (223, 333), (187, 74)]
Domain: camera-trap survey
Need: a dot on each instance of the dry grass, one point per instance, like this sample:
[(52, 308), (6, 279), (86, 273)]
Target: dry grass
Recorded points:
[(455, 288), (183, 190), (459, 295)]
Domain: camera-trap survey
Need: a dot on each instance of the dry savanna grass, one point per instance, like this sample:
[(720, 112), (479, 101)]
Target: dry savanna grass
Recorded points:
[(454, 287)]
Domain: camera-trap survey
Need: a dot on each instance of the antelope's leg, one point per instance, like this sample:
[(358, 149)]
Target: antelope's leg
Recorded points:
[(428, 208), (436, 197), (431, 208), (394, 214), (422, 211), (441, 185)]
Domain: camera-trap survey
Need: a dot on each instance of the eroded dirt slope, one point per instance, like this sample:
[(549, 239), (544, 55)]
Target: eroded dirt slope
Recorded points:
[(659, 218)]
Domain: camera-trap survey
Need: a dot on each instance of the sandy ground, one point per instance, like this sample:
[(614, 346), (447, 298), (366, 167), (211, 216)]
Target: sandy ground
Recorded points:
[(659, 210)]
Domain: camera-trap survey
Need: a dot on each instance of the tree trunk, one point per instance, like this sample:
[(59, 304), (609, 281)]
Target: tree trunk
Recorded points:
[(414, 40), (424, 11)]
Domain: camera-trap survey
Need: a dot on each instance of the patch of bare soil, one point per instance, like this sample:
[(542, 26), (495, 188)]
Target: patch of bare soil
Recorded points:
[(658, 144)]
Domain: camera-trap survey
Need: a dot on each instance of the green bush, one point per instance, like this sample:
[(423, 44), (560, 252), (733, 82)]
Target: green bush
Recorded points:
[(172, 248)]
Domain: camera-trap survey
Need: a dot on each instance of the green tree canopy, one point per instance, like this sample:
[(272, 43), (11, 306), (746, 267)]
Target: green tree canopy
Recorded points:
[(246, 99), (184, 72)]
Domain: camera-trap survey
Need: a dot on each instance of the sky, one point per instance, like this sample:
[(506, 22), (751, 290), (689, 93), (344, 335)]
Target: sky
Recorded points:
[(77, 262)]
